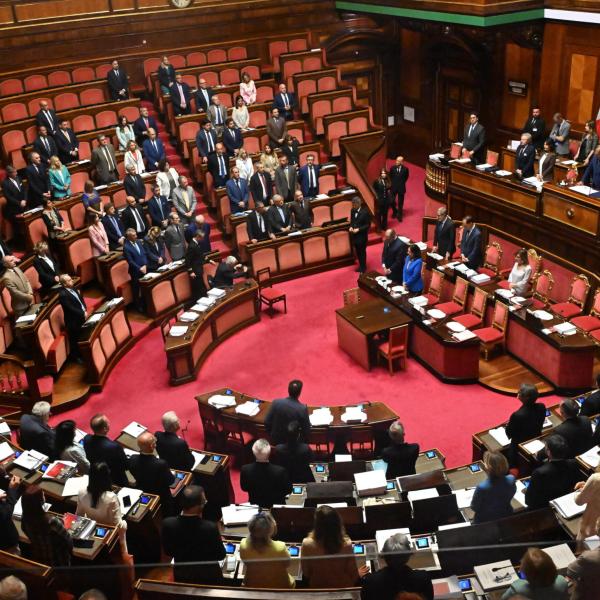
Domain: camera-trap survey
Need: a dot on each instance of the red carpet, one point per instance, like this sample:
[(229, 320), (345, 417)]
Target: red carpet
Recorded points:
[(262, 359)]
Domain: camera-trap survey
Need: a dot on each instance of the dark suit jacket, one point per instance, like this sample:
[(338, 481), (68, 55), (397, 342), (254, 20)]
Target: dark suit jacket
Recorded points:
[(237, 193), (278, 102), (254, 232), (553, 479), (155, 204), (303, 214), (296, 461), (399, 177), (104, 174), (35, 435), (154, 476), (153, 155), (232, 142), (475, 141), (401, 459), (274, 218), (134, 186), (190, 232), (547, 167), (304, 179), (66, 146), (281, 183), (37, 184), (578, 433), (174, 450), (177, 100), (361, 220), (139, 128), (113, 233), (525, 159), (9, 536), (136, 260), (266, 484), (225, 274), (383, 193), (166, 75), (42, 121), (470, 246), (386, 584), (46, 274), (526, 423), (202, 142), (444, 237), (99, 448), (257, 191), (213, 168), (190, 539), (154, 251), (201, 103), (537, 129), (194, 259), (393, 257), (281, 413), (591, 405), (14, 195), (117, 83), (72, 310), (41, 149), (128, 220)]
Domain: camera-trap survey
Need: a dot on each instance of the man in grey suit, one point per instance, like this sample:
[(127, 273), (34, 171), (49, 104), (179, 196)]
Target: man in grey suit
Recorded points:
[(217, 115), (104, 161), (184, 201), (175, 237), (18, 286), (559, 134), (286, 179), (474, 139), (276, 129)]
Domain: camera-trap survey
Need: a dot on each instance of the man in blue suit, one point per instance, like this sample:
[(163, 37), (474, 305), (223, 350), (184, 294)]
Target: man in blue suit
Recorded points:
[(206, 140), (158, 207), (154, 150), (470, 245), (181, 96), (135, 255), (232, 138), (113, 227), (199, 224), (308, 176), (142, 124), (591, 176), (525, 157), (284, 101), (237, 190)]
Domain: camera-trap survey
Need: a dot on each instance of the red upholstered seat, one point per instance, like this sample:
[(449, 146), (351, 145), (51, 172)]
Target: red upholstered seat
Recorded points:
[(217, 55), (596, 334), (82, 74), (46, 385), (489, 334), (469, 320), (586, 322), (92, 96), (450, 308), (195, 59), (385, 347), (537, 304), (566, 309), (487, 272), (504, 284), (237, 53), (272, 293), (58, 78)]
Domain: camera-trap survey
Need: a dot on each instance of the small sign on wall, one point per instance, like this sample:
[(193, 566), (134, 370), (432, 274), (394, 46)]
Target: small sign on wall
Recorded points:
[(409, 114), (517, 88)]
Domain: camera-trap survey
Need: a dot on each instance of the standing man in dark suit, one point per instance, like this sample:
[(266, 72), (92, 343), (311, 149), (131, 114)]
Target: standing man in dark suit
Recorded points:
[(154, 151), (575, 429), (15, 193), (525, 157), (237, 191), (132, 217), (113, 227), (194, 261), (257, 224), (474, 139), (135, 255), (46, 117), (266, 483), (67, 143), (142, 124), (393, 255), (360, 222), (261, 185), (158, 207), (104, 161), (444, 236), (38, 187), (284, 102), (278, 216), (74, 311), (470, 244), (206, 140), (199, 224), (152, 474), (118, 85), (302, 212), (218, 166), (204, 96), (46, 268), (400, 457), (181, 96), (217, 114), (398, 177), (286, 179), (99, 448), (45, 145), (536, 126), (34, 431), (171, 447), (134, 184), (308, 175), (232, 138), (276, 129), (285, 410)]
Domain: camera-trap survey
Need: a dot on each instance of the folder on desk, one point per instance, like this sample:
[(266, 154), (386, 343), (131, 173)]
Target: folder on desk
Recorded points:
[(74, 485), (221, 401), (561, 556), (591, 457), (370, 483), (4, 428), (30, 460), (134, 429), (5, 450), (499, 434), (494, 576), (566, 506), (320, 417), (464, 497), (238, 514), (248, 408), (534, 446)]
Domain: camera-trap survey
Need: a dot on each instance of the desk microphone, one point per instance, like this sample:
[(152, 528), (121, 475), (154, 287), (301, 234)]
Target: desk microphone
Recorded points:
[(184, 429)]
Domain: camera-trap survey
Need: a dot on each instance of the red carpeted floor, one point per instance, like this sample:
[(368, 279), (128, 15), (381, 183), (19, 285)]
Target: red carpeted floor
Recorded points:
[(261, 359)]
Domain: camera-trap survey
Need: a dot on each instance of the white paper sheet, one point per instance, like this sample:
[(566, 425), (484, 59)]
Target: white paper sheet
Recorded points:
[(74, 485)]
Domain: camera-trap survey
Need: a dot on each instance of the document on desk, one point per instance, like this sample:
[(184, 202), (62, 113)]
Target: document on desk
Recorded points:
[(534, 446), (207, 301), (464, 497), (586, 190), (5, 451), (221, 401), (26, 318), (238, 514), (421, 245), (178, 330), (198, 458), (566, 506), (93, 319), (496, 575), (4, 428), (134, 429), (591, 457), (502, 173), (520, 493), (499, 434), (422, 494), (463, 336), (189, 316), (74, 485), (30, 460), (216, 292), (479, 278), (320, 417), (354, 413), (565, 328), (561, 555), (248, 408)]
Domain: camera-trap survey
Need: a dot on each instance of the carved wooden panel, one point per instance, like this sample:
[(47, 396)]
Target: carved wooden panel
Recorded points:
[(518, 66), (582, 84), (570, 213), (40, 11)]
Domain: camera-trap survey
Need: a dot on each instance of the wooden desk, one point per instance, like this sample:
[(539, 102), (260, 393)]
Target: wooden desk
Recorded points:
[(433, 345), (508, 160), (237, 309), (358, 324)]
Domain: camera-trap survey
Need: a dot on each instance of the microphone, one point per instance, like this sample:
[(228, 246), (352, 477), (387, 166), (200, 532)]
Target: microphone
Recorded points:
[(184, 429)]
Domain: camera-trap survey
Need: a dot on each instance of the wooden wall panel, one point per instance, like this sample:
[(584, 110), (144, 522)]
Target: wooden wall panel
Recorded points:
[(410, 66), (40, 11), (582, 83), (519, 65)]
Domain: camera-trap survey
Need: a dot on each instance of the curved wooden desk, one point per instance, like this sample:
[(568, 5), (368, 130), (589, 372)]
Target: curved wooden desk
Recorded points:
[(237, 309)]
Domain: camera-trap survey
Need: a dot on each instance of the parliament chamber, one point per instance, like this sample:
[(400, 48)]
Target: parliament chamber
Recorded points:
[(299, 300)]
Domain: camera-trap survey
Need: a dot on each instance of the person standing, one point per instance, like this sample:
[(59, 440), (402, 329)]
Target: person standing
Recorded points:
[(444, 237), (393, 255), (360, 222), (194, 261), (74, 311), (18, 286), (135, 255), (559, 134), (493, 496), (383, 196), (285, 410), (411, 275), (118, 84), (470, 244), (474, 139), (536, 127), (399, 174), (525, 157)]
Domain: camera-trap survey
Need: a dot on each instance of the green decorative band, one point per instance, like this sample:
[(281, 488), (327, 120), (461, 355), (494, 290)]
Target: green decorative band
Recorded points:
[(444, 17)]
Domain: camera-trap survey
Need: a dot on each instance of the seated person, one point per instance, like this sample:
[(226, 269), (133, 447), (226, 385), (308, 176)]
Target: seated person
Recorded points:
[(171, 447), (35, 432), (65, 447), (189, 538), (492, 497), (575, 429), (585, 574), (266, 484), (591, 405), (328, 538), (295, 456), (227, 270), (396, 576), (265, 559), (400, 457)]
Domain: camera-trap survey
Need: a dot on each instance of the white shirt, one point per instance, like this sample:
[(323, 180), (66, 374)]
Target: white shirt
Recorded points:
[(519, 277)]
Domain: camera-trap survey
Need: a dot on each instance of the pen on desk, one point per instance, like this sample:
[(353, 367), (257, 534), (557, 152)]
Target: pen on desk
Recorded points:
[(360, 317)]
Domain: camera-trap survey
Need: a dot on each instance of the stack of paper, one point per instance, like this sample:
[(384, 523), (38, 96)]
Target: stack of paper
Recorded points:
[(421, 245), (591, 457), (114, 301), (583, 189), (248, 408), (238, 514), (4, 428), (178, 330), (502, 173), (504, 293), (436, 156), (464, 497), (129, 453), (134, 429), (74, 485), (198, 458), (30, 460), (418, 301), (370, 483), (199, 308), (461, 268), (132, 496), (565, 328), (354, 413), (422, 494), (542, 315), (561, 556), (499, 434), (5, 451), (435, 255), (480, 278), (26, 318), (207, 301), (320, 417), (435, 313), (455, 326), (566, 506), (188, 316), (534, 446), (221, 401), (483, 166), (216, 292), (149, 276), (496, 575), (463, 336), (462, 161)]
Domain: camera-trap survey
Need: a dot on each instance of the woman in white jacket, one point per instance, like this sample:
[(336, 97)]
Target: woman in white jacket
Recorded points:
[(244, 163), (166, 178), (133, 156)]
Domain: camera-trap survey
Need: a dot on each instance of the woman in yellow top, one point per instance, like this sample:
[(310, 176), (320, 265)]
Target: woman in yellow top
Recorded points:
[(266, 561), (328, 538)]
